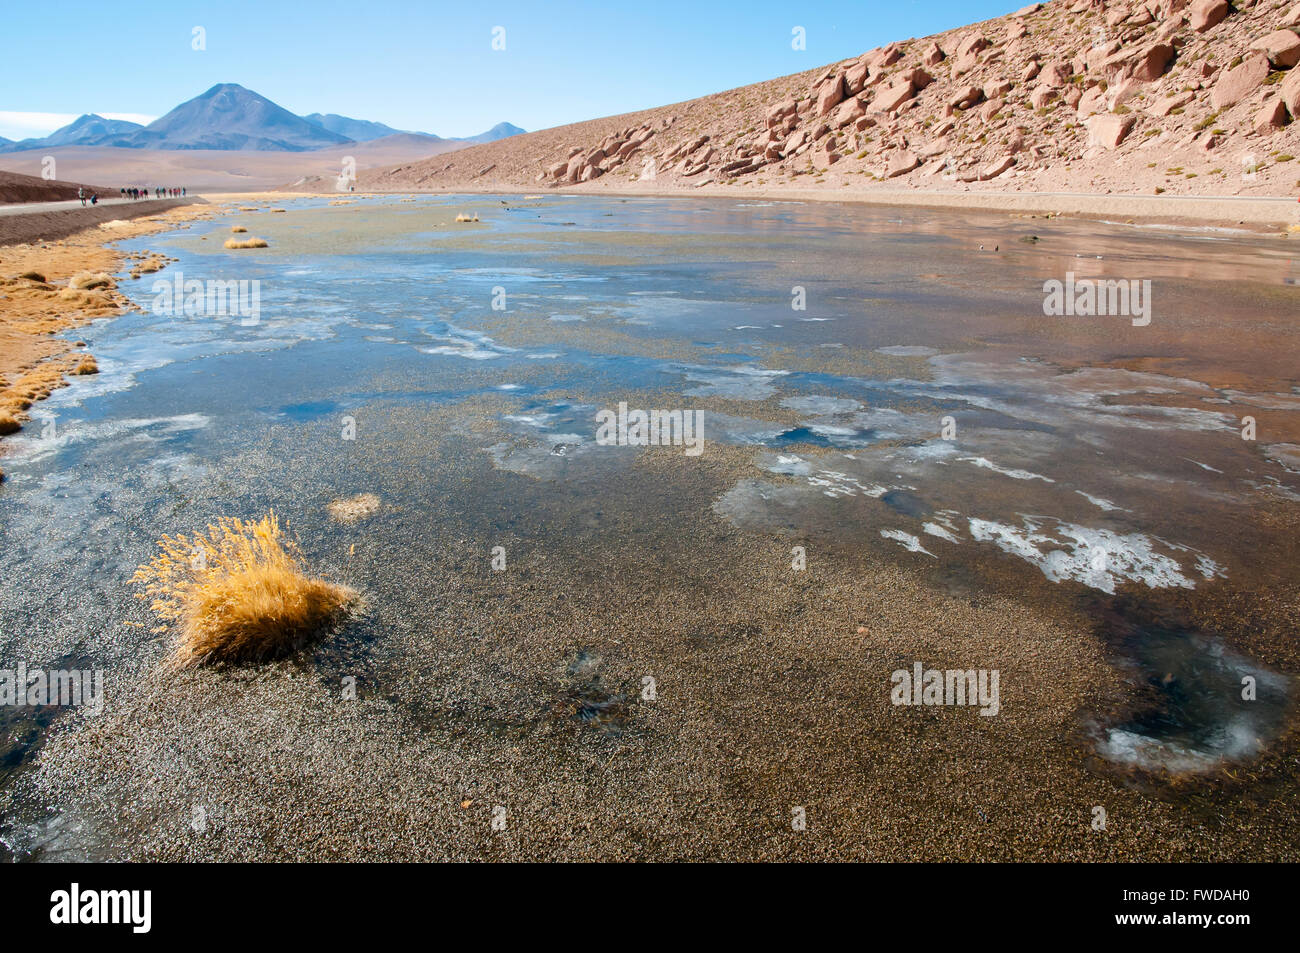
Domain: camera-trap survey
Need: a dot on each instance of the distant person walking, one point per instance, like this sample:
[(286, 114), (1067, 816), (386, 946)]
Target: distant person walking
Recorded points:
[(94, 198), (81, 194)]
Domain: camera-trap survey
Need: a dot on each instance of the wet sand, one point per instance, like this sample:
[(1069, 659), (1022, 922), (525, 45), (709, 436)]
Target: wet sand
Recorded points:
[(520, 696)]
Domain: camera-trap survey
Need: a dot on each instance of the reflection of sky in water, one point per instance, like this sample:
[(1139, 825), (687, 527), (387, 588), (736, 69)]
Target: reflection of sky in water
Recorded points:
[(1033, 446)]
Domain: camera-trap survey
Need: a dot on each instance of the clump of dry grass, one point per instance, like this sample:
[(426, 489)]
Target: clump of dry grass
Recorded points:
[(86, 365), (90, 281), (246, 243), (85, 299), (151, 264), (238, 228), (237, 593), (9, 423), (354, 508)]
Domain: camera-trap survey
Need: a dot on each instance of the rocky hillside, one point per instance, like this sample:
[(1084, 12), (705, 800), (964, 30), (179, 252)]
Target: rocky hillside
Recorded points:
[(1178, 96)]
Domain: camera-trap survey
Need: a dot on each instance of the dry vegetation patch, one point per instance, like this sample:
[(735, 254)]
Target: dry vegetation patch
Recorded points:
[(238, 593)]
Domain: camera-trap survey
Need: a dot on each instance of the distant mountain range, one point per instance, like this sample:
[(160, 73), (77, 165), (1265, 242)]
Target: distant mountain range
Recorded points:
[(230, 117), (362, 130), (358, 130)]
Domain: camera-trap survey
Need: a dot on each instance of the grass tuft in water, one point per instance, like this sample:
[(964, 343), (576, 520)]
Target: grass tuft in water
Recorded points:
[(238, 594)]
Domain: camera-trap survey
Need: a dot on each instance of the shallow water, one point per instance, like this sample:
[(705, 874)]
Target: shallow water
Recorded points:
[(919, 407)]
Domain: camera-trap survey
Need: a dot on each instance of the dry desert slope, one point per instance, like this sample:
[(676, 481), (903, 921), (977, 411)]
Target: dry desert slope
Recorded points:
[(1188, 97)]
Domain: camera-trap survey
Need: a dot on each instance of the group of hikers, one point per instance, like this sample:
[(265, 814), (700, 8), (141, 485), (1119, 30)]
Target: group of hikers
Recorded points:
[(162, 193), (132, 192)]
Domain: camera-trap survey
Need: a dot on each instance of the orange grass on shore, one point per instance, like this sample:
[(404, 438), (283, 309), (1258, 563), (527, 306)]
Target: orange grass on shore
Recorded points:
[(238, 594), (48, 287)]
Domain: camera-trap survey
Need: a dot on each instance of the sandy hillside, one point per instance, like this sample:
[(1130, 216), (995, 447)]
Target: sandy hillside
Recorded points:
[(16, 187), (218, 170), (1177, 97)]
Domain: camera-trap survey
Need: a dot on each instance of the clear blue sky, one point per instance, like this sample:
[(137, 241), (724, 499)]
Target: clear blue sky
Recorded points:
[(429, 65)]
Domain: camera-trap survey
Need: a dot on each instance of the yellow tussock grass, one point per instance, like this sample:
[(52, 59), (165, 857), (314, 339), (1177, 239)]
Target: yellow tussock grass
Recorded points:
[(237, 593), (9, 423), (246, 243), (238, 228), (86, 365)]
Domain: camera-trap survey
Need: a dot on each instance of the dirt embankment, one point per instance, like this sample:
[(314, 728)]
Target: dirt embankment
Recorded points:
[(16, 187), (46, 224)]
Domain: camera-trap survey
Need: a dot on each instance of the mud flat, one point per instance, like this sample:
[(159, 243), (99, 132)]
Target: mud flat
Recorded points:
[(681, 657)]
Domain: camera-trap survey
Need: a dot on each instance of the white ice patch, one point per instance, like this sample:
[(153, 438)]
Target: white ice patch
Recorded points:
[(467, 344), (831, 431), (907, 350), (1207, 567), (531, 420), (740, 382), (1099, 502), (820, 405), (473, 353), (930, 450), (934, 529), (791, 465), (833, 483), (906, 540), (1238, 740), (38, 447), (1097, 558), (1286, 455), (987, 464)]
